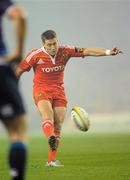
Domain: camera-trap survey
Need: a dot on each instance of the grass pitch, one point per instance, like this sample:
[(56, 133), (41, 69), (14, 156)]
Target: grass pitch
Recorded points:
[(85, 157)]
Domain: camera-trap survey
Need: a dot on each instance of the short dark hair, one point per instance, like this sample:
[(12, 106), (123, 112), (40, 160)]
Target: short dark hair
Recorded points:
[(49, 34)]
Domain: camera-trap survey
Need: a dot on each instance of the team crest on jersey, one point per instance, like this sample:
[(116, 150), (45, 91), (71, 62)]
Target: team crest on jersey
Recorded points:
[(64, 57), (79, 50)]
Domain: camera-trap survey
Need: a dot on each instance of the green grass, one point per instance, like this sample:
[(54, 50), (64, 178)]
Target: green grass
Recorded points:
[(85, 156)]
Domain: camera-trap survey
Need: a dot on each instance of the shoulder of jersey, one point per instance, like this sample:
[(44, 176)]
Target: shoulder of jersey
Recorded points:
[(34, 52), (65, 47)]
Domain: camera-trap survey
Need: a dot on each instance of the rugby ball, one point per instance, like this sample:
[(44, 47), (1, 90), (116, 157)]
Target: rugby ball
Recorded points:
[(80, 118)]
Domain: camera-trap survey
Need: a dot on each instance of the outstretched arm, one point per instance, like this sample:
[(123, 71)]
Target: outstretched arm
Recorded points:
[(101, 52)]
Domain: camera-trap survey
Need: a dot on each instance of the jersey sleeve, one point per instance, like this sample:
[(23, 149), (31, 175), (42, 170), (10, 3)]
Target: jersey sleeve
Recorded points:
[(28, 62), (75, 51)]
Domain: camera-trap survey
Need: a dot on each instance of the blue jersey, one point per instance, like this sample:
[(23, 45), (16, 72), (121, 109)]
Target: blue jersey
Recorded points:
[(4, 4)]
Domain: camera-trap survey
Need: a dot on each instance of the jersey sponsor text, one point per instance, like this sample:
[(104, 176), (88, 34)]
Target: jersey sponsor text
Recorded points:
[(53, 69)]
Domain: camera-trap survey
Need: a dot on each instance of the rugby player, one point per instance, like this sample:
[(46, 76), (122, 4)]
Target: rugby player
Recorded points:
[(48, 63)]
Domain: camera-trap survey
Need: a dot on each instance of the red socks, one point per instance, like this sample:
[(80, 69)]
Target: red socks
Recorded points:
[(48, 128), (52, 154)]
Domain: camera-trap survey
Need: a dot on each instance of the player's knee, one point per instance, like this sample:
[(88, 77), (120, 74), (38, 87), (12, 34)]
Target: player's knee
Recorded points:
[(17, 128), (47, 114)]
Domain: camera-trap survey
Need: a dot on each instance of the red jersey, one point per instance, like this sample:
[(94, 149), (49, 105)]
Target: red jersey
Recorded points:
[(49, 70)]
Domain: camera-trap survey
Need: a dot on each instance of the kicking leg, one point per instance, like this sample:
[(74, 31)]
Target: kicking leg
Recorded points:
[(59, 115)]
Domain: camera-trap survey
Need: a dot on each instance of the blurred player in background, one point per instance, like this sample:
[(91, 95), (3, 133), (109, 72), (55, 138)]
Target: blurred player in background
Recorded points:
[(12, 112), (48, 63)]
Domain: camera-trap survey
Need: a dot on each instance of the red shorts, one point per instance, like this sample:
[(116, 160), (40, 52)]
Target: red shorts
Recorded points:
[(55, 94)]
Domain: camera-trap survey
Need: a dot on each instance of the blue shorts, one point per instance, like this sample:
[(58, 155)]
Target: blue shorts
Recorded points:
[(11, 104)]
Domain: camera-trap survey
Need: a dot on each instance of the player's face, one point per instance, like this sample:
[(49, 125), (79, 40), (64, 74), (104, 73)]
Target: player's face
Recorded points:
[(51, 46)]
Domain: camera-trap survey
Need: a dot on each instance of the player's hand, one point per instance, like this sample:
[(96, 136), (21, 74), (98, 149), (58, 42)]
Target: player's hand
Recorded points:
[(115, 51), (15, 58)]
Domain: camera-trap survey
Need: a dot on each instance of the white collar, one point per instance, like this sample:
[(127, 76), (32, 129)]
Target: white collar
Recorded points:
[(52, 58)]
